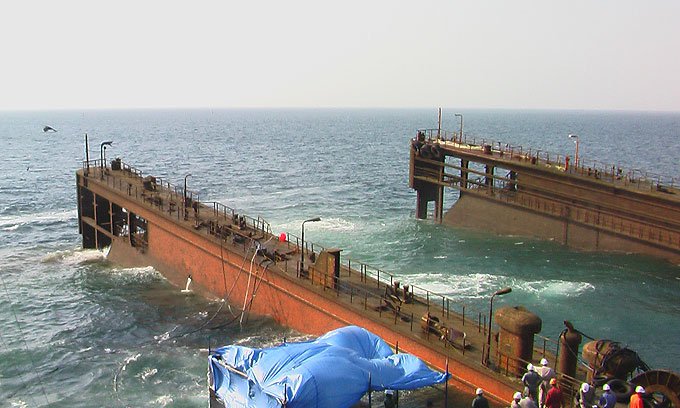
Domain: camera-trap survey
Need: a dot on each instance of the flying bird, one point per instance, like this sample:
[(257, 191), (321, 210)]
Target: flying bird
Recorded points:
[(49, 129)]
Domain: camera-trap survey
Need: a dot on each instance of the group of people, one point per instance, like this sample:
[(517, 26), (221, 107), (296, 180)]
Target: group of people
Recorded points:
[(541, 389), (554, 398)]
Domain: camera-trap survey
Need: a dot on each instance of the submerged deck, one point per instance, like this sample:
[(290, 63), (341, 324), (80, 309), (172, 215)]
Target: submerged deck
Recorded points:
[(512, 190), (122, 207)]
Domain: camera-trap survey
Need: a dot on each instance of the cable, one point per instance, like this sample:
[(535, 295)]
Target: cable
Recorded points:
[(245, 298), (247, 305)]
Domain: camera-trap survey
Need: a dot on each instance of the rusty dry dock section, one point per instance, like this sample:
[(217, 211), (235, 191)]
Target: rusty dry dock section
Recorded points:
[(148, 221), (143, 220), (510, 190)]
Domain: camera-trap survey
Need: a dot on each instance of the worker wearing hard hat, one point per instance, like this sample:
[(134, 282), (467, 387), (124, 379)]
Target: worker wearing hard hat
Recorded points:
[(636, 399), (608, 399), (531, 381), (586, 396), (547, 374), (555, 397), (480, 401), (515, 400)]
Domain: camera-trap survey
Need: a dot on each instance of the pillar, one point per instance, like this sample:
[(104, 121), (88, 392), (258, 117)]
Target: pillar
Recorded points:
[(570, 340), (421, 204), (488, 179), (516, 337), (439, 204), (464, 174)]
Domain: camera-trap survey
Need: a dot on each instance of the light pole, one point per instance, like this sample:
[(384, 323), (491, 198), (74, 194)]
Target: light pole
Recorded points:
[(102, 149), (302, 246), (460, 135), (186, 216), (488, 338), (575, 137)]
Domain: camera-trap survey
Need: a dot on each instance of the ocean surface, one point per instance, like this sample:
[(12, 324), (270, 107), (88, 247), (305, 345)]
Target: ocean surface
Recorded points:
[(76, 330)]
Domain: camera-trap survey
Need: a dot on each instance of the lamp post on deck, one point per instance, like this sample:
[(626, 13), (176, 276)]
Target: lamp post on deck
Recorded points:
[(499, 292), (186, 216), (302, 244), (575, 137), (102, 157), (460, 135)]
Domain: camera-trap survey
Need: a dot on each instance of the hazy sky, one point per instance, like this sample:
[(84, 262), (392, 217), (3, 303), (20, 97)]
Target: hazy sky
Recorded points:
[(594, 54)]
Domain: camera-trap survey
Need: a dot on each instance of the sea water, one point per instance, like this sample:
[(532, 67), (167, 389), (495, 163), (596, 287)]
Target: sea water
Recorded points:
[(76, 330)]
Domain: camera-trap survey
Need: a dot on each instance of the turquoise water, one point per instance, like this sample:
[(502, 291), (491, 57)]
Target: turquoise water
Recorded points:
[(78, 331)]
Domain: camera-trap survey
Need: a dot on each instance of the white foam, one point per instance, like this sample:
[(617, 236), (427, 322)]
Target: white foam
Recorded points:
[(163, 400), (165, 336), (12, 228), (137, 271), (39, 218), (130, 360), (556, 288), (149, 372), (326, 224), (76, 257)]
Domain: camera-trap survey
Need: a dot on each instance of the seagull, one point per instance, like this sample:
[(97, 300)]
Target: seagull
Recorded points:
[(49, 129)]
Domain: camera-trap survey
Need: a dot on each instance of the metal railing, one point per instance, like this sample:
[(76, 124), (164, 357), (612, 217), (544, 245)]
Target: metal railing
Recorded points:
[(601, 219), (363, 295), (167, 197), (606, 172)]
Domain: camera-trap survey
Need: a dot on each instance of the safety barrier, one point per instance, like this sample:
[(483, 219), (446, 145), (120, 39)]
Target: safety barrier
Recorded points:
[(611, 173)]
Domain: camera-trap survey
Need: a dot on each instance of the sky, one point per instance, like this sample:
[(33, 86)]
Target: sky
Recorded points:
[(94, 54)]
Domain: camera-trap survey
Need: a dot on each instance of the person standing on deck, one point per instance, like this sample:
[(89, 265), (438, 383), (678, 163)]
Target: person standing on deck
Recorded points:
[(554, 398), (608, 399), (515, 400), (480, 401), (527, 402), (586, 396), (636, 399), (531, 381), (547, 374)]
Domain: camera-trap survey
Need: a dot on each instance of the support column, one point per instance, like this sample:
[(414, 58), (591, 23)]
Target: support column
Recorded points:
[(464, 174), (570, 340), (439, 205), (488, 179), (421, 205), (111, 218), (86, 208)]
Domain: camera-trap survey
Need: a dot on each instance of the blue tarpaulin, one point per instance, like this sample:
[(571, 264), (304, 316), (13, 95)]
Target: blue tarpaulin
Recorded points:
[(331, 371)]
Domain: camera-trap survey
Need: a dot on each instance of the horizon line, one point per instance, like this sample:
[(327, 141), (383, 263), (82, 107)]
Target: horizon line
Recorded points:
[(211, 108)]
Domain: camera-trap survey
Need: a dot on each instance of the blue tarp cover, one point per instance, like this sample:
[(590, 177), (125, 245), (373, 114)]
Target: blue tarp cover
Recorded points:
[(331, 371)]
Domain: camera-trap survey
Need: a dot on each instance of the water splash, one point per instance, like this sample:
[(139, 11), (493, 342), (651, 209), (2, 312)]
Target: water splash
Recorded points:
[(75, 257)]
